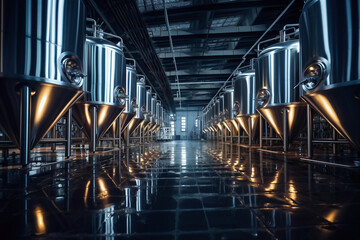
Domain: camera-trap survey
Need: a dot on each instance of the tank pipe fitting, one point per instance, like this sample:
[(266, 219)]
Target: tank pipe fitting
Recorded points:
[(121, 45), (141, 78), (133, 62), (94, 26)]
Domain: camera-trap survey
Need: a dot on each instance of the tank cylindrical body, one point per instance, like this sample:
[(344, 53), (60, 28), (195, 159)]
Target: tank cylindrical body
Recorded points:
[(37, 44), (245, 90), (148, 104), (153, 109), (101, 58), (41, 47), (330, 60), (228, 103), (131, 79), (140, 99), (158, 113), (217, 110), (277, 69), (221, 107)]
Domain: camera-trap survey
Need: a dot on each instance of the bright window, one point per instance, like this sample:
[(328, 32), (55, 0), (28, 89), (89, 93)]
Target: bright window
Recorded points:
[(172, 125), (183, 124), (196, 122)]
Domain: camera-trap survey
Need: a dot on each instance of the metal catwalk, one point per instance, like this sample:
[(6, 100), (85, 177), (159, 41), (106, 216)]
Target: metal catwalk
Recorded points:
[(179, 190)]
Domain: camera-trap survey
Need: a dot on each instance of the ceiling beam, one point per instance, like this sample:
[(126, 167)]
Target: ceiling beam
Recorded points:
[(213, 53), (216, 31), (201, 72)]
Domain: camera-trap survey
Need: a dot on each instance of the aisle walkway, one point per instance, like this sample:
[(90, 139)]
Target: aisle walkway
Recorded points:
[(181, 190)]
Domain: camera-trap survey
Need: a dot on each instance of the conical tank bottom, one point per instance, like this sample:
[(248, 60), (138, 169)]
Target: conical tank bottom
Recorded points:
[(106, 114), (125, 120), (296, 119), (249, 122), (340, 106), (134, 123), (48, 103), (229, 124)]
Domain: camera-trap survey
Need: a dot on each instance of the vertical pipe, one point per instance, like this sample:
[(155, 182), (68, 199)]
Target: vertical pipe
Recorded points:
[(93, 139), (261, 123), (239, 134), (309, 131), (334, 138), (231, 133), (119, 131), (140, 137), (24, 125), (285, 123), (127, 136), (250, 131), (53, 135), (68, 134)]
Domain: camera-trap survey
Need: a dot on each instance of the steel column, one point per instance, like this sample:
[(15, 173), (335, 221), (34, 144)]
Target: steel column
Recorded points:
[(68, 134), (25, 125), (309, 132)]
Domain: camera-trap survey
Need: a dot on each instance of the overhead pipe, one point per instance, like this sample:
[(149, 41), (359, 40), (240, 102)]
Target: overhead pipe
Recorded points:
[(252, 47), (172, 49)]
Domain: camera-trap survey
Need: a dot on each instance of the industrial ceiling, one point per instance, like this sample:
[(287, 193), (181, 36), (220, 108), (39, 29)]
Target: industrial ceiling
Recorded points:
[(208, 39)]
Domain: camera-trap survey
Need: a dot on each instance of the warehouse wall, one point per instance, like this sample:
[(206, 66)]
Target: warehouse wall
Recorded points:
[(191, 132)]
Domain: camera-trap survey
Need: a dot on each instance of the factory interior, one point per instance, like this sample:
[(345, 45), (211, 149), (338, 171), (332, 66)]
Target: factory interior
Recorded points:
[(180, 119)]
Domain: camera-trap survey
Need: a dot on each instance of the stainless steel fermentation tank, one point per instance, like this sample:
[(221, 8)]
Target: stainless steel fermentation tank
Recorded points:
[(217, 113), (130, 91), (228, 114), (153, 115), (104, 88), (245, 90), (278, 100), (140, 108), (330, 63), (41, 51), (147, 123)]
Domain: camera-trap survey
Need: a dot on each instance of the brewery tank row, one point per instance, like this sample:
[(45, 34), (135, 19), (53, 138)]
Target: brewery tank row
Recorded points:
[(60, 67), (314, 65)]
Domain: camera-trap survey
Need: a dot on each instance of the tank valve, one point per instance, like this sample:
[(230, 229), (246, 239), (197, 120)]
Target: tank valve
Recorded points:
[(313, 75), (72, 70), (120, 96), (236, 109), (262, 98)]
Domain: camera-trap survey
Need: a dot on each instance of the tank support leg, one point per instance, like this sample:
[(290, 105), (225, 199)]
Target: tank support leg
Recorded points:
[(285, 122), (127, 136), (24, 125), (334, 137), (119, 131), (68, 134), (250, 132), (93, 114), (261, 123), (309, 132)]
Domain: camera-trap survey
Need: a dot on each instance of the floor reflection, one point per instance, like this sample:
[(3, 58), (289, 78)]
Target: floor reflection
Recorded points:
[(179, 190)]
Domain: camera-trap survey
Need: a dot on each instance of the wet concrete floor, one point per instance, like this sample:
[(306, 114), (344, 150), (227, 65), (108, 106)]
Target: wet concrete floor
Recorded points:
[(179, 190)]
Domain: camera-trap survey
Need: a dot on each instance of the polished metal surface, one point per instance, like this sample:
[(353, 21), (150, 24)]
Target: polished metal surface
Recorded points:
[(140, 110), (245, 90), (179, 190), (153, 109), (228, 103), (329, 39), (246, 87), (221, 116), (41, 46), (103, 90), (105, 67), (131, 86), (277, 68)]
